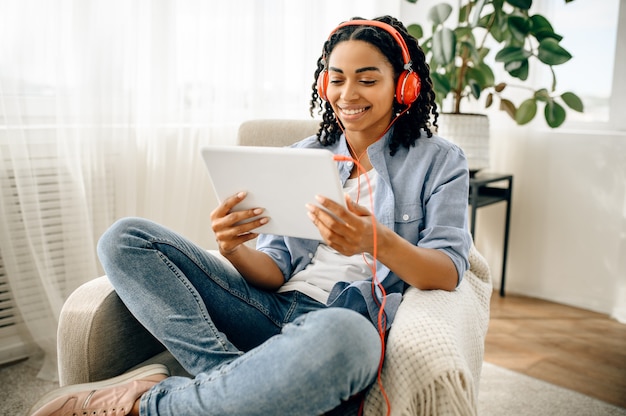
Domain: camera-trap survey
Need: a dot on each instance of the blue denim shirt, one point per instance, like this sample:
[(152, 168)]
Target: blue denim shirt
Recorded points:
[(422, 194)]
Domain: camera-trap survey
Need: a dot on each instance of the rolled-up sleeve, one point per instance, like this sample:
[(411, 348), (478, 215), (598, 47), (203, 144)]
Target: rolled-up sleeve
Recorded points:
[(445, 208)]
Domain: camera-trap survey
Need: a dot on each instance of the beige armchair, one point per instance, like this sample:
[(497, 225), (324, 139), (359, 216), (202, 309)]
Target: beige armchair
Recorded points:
[(434, 350)]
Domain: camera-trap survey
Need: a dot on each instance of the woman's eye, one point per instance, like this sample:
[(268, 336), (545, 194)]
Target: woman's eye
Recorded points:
[(338, 81)]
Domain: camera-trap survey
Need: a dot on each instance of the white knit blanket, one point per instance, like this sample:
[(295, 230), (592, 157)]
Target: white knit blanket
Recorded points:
[(435, 349)]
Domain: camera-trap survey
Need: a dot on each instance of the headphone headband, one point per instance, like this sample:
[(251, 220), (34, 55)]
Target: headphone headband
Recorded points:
[(382, 25)]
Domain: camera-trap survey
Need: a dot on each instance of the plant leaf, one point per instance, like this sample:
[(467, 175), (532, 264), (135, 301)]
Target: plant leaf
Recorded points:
[(482, 52), (520, 71), (519, 26), (542, 29), (478, 8), (487, 75), (500, 87), (474, 88), (526, 111), (468, 50), (508, 107), (475, 76), (441, 84), (512, 53), (548, 35), (439, 13), (542, 95), (573, 101), (466, 33), (540, 23), (551, 53), (555, 114), (489, 100), (512, 66), (444, 46), (415, 30), (522, 4), (463, 12), (498, 27)]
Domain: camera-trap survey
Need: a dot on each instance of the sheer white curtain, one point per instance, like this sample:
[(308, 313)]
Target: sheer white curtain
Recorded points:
[(103, 106)]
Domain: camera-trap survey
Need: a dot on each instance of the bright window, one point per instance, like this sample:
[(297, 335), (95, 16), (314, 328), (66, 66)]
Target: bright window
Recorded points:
[(589, 30)]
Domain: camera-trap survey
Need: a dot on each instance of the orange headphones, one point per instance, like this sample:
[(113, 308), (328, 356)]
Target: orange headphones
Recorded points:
[(409, 83)]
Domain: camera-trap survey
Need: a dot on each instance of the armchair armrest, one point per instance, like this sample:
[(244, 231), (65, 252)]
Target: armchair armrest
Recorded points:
[(435, 349), (98, 338)]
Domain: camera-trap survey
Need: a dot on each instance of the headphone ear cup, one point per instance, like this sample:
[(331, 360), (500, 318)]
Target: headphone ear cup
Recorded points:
[(322, 84), (408, 88)]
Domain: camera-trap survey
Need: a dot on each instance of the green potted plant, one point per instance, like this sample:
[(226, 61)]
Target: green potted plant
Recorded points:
[(461, 52)]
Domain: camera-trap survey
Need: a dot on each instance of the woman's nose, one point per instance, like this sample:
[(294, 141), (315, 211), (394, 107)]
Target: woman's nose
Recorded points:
[(349, 91)]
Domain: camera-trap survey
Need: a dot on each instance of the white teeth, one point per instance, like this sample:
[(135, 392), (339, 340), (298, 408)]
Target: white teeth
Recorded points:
[(353, 112)]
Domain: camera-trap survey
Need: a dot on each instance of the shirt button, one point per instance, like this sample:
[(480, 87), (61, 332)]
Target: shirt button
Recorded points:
[(310, 255), (349, 164), (405, 217)]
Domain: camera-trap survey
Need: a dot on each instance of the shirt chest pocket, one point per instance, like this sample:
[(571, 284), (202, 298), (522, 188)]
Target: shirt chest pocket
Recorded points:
[(409, 221)]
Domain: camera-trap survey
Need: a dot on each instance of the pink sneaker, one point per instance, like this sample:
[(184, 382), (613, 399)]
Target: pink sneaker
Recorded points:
[(113, 397)]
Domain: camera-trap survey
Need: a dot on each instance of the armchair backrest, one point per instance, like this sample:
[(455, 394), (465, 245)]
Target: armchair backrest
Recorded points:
[(277, 133)]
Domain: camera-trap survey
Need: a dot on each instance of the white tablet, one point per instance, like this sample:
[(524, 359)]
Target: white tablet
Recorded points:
[(279, 179)]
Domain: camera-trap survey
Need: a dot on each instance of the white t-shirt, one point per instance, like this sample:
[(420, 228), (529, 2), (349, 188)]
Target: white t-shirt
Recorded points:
[(328, 266)]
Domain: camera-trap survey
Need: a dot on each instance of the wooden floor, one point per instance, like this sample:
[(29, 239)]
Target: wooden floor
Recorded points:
[(570, 347)]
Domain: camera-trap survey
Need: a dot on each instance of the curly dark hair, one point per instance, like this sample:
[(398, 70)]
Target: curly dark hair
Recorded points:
[(408, 126)]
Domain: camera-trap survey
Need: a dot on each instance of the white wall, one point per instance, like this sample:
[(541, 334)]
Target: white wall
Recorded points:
[(568, 221)]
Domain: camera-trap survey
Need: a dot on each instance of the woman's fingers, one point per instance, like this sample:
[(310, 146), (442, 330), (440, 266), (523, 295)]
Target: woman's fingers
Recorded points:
[(233, 228), (345, 230), (227, 205)]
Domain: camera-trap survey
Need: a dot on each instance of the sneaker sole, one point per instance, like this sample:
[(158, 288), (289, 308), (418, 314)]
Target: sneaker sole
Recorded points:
[(143, 372)]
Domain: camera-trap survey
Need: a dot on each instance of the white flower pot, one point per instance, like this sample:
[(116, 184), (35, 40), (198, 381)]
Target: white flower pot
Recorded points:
[(471, 133)]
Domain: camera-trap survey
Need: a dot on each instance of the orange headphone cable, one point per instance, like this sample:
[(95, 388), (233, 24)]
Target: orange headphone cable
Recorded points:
[(382, 317)]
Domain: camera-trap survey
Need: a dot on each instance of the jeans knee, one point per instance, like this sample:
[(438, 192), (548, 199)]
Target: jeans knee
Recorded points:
[(124, 227), (353, 339), (112, 240)]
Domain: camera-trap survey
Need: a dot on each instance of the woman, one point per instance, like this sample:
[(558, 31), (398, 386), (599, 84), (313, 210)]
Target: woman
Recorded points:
[(298, 327)]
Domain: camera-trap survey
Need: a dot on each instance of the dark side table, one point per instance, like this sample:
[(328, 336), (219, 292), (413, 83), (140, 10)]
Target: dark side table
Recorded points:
[(483, 192)]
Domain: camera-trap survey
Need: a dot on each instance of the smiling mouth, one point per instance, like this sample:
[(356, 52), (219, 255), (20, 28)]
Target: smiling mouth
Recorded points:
[(352, 112)]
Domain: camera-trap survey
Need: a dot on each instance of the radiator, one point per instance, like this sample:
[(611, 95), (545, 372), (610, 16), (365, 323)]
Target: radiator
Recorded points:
[(12, 346), (41, 217)]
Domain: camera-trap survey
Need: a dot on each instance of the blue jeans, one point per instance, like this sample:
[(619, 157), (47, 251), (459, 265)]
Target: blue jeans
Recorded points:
[(251, 352)]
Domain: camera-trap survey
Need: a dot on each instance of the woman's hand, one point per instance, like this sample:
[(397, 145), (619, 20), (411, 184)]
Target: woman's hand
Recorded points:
[(231, 233), (233, 228), (351, 231), (348, 230)]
